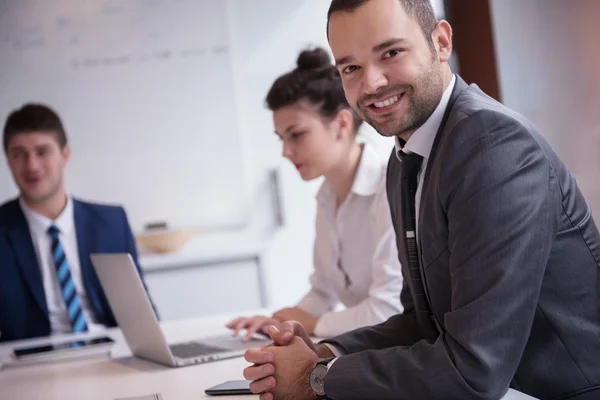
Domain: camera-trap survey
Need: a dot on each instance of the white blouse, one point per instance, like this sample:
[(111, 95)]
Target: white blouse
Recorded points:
[(355, 256)]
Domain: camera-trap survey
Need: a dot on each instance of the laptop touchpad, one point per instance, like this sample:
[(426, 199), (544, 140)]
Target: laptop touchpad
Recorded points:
[(193, 349)]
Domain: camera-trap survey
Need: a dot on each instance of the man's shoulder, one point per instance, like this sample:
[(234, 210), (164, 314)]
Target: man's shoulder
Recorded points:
[(8, 205), (477, 121), (474, 105), (8, 210), (103, 210)]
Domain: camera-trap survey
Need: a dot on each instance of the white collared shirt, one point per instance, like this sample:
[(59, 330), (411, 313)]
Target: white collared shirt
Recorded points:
[(360, 236), (42, 242), (422, 140)]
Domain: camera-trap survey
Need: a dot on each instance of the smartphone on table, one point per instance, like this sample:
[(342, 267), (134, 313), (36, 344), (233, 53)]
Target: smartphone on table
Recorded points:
[(229, 388)]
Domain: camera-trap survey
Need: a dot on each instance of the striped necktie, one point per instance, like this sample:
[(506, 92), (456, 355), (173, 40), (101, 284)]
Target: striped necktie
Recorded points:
[(67, 287)]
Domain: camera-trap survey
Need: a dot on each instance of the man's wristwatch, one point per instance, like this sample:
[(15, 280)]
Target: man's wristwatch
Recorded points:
[(317, 377)]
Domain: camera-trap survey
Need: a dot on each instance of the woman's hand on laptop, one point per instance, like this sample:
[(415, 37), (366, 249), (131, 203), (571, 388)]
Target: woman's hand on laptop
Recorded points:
[(284, 334), (307, 320), (252, 325)]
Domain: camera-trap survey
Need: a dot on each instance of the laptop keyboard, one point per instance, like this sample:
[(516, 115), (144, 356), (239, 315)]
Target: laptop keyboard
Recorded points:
[(193, 349)]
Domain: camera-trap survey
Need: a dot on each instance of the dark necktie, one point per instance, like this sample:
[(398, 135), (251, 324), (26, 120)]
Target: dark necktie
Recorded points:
[(411, 163), (66, 283)]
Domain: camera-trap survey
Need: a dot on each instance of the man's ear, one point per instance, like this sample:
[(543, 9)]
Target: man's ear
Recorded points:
[(66, 153), (442, 40)]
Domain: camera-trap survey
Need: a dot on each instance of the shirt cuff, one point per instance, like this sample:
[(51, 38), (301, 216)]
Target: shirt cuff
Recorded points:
[(337, 351)]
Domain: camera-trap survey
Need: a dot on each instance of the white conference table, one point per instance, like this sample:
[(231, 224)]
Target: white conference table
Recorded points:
[(122, 375)]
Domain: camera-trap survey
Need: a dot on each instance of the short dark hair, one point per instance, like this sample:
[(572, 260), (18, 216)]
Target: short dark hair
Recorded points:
[(34, 118), (421, 10), (316, 80)]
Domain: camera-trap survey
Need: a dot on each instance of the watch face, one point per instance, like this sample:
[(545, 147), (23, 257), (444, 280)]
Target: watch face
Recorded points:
[(317, 379)]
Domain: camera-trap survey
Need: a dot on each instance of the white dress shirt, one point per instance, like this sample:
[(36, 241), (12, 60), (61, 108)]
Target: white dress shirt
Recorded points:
[(360, 237), (38, 227), (422, 140), (421, 143)]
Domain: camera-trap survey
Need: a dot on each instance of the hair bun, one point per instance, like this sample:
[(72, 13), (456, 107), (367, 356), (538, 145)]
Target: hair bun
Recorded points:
[(313, 59)]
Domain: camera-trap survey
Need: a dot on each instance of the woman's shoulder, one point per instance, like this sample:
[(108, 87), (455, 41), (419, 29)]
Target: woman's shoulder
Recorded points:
[(375, 163), (379, 205)]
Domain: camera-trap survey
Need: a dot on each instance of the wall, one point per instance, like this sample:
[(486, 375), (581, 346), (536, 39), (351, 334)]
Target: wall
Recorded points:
[(548, 63)]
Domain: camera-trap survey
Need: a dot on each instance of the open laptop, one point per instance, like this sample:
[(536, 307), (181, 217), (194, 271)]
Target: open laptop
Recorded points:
[(136, 319)]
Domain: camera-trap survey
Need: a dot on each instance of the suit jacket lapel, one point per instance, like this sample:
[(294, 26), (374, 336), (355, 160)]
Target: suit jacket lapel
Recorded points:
[(85, 242), (459, 86), (22, 244)]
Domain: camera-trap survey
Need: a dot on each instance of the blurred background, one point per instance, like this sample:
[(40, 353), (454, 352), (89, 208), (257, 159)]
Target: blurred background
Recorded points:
[(163, 102)]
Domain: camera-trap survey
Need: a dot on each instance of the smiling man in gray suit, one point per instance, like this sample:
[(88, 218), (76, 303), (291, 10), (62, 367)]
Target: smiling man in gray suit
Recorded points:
[(500, 253)]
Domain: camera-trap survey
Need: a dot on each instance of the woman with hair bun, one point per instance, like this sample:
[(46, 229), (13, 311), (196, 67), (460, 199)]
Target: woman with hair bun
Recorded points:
[(355, 257)]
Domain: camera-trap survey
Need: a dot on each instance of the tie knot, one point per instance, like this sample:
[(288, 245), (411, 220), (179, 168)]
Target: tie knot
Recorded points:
[(53, 231)]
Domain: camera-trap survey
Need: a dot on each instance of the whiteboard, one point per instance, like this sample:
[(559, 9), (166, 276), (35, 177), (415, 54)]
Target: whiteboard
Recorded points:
[(146, 93)]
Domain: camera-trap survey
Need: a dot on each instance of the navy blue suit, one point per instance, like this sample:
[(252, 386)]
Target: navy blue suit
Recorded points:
[(23, 308)]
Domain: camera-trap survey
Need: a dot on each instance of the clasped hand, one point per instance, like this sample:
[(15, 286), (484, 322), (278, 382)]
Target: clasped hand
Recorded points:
[(281, 370)]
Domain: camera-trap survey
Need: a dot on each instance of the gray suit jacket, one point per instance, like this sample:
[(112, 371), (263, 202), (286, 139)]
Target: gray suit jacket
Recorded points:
[(511, 261)]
